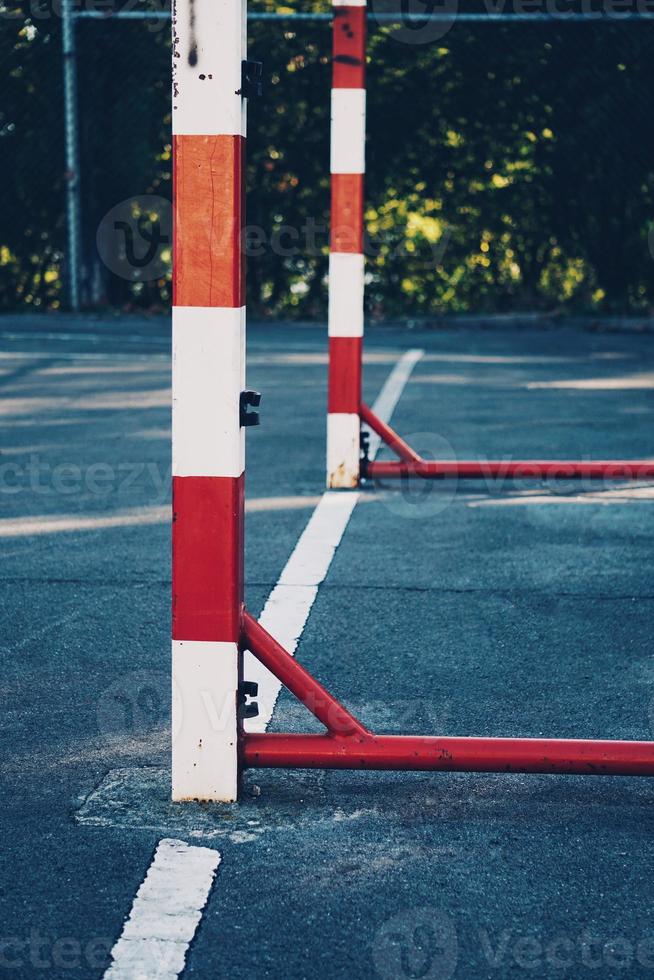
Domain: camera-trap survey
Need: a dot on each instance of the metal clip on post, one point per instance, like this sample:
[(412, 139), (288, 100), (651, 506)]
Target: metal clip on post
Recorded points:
[(249, 399), (248, 708)]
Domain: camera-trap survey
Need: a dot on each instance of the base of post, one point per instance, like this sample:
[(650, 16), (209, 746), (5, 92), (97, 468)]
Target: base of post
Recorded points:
[(343, 450), (205, 724)]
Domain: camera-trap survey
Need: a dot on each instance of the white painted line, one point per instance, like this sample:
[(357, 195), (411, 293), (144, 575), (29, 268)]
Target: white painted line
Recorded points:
[(37, 524), (288, 606), (390, 394), (165, 914), (618, 495), (22, 527), (643, 381)]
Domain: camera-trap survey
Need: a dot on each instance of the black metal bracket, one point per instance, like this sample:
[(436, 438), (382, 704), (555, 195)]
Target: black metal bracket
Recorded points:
[(249, 399), (364, 458), (251, 79), (247, 708)]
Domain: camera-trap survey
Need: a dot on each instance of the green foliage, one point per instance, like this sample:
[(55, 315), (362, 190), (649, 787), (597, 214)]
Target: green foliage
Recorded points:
[(509, 166), (31, 153)]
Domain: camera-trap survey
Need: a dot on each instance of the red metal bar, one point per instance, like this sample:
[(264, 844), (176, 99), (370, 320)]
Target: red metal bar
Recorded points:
[(407, 752), (299, 681), (411, 464), (388, 435), (349, 745), (536, 469)]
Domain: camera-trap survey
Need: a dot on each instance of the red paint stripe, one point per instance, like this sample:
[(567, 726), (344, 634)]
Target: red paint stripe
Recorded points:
[(207, 557), (347, 213), (208, 262), (349, 47), (345, 374)]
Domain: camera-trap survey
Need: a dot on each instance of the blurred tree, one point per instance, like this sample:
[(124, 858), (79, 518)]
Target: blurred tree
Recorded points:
[(509, 166)]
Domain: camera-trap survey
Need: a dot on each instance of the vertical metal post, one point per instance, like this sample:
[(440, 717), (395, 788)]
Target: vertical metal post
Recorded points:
[(208, 379), (346, 260), (71, 133)]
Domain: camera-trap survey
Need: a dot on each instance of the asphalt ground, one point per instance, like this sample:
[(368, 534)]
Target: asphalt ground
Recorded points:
[(513, 609)]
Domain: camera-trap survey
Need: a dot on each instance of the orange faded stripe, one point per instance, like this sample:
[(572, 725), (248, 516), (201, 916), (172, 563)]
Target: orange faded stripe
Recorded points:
[(208, 266), (347, 213)]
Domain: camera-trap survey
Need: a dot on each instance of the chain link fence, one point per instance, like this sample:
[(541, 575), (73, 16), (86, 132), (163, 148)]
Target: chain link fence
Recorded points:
[(510, 163)]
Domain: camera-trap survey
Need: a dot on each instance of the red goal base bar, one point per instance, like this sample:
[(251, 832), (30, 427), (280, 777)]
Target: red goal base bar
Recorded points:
[(349, 745), (411, 464)]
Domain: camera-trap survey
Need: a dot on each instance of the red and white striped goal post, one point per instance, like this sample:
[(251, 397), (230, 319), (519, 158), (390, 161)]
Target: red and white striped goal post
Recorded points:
[(211, 627), (346, 464)]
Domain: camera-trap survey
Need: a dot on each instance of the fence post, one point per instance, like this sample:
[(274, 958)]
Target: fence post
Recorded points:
[(209, 38), (346, 263), (71, 140)]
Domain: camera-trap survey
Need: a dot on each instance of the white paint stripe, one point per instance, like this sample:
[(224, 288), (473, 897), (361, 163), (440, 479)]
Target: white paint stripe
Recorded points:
[(390, 394), (208, 377), (348, 131), (165, 914), (346, 289), (287, 610), (204, 727), (206, 87)]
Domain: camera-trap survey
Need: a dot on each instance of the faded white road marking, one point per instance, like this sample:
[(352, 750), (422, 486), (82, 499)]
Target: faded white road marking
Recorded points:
[(617, 495), (288, 606), (165, 914), (26, 527), (641, 381), (389, 396)]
